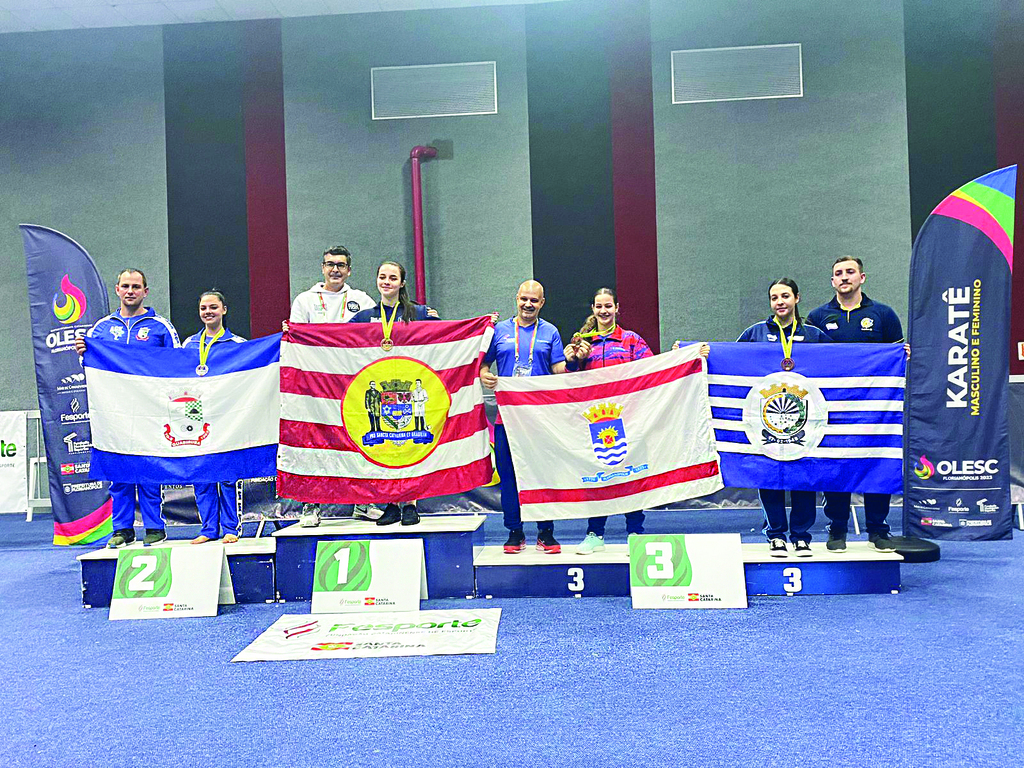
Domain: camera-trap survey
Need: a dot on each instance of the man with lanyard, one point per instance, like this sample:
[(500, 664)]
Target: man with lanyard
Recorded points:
[(137, 326), (523, 345), (852, 317), (332, 301)]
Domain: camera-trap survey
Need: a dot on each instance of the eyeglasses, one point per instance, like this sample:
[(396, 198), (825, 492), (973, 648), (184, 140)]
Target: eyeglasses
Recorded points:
[(336, 264)]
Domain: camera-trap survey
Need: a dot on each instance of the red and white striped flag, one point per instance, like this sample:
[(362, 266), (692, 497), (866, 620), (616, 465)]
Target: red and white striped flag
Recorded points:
[(360, 424), (611, 440)]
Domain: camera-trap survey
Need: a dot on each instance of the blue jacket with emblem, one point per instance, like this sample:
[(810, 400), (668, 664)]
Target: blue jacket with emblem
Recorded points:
[(148, 329), (767, 330), (868, 322), (193, 340)]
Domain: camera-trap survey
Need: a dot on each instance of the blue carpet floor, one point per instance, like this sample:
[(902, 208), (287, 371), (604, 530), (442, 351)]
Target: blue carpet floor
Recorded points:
[(930, 677)]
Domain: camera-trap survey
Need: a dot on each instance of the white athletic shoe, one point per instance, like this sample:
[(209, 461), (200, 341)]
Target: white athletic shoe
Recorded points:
[(310, 517), (366, 512), (593, 543)]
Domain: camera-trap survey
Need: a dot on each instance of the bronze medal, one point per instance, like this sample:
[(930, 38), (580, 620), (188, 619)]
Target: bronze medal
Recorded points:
[(787, 363)]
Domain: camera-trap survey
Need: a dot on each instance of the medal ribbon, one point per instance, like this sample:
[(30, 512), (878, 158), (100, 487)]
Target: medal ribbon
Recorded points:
[(532, 342), (592, 334), (787, 344), (385, 324), (204, 348)]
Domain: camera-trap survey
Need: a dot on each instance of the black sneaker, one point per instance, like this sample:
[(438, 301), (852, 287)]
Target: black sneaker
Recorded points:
[(836, 542), (777, 548), (546, 542), (516, 542), (409, 515), (121, 538), (392, 514), (154, 536), (881, 542), (802, 549)]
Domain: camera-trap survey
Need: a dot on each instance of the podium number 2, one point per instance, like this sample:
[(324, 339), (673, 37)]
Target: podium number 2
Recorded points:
[(142, 581), (342, 556), (661, 568)]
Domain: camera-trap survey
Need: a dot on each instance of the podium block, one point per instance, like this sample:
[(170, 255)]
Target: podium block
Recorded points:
[(449, 545), (251, 562)]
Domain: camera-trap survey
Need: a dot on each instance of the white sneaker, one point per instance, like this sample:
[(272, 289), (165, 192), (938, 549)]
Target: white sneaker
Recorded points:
[(593, 543), (366, 512), (310, 517)]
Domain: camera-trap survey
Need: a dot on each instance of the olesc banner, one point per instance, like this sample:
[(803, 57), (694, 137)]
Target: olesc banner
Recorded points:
[(343, 636), (13, 464), (66, 297), (957, 459)]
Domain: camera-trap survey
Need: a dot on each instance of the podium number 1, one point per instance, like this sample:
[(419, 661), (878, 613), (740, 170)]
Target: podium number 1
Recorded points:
[(142, 581), (342, 556), (662, 567)]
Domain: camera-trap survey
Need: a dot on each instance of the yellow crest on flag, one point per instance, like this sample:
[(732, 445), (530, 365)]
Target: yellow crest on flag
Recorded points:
[(394, 411)]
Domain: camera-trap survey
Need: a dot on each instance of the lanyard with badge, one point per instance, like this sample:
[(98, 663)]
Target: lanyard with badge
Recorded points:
[(323, 306), (527, 369), (204, 351), (787, 345)]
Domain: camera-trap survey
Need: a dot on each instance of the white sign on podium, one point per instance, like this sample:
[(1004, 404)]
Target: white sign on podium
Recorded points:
[(369, 576), (702, 570)]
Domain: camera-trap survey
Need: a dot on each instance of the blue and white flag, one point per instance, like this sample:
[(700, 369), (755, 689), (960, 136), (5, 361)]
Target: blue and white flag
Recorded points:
[(154, 420), (834, 423)]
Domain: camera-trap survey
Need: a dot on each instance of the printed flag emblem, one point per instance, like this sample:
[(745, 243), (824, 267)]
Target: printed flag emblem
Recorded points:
[(185, 421), (607, 433)]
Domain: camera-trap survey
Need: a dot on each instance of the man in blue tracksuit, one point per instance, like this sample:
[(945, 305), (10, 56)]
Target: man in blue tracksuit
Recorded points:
[(852, 317), (138, 326)]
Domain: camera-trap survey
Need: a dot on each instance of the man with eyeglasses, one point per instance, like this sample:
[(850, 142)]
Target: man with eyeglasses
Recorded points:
[(332, 301)]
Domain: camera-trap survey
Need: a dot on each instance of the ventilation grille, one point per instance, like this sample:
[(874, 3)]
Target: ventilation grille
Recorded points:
[(737, 74), (434, 90)]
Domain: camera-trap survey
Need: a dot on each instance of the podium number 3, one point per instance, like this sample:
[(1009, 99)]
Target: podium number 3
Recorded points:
[(342, 556), (143, 581), (662, 567)]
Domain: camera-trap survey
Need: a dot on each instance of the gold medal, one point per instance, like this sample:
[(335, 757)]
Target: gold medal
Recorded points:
[(387, 345)]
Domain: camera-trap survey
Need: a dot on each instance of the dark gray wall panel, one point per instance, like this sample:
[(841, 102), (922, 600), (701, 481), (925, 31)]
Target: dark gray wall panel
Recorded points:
[(753, 190), (348, 176), (81, 151)]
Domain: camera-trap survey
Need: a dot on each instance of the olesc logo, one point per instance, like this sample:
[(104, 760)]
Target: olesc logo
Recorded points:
[(924, 468), (73, 306), (607, 433)]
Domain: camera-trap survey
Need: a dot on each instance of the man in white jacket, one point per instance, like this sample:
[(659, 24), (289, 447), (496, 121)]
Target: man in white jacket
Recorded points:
[(332, 301)]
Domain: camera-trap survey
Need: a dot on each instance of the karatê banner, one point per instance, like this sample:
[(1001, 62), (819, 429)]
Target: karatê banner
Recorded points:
[(956, 447), (13, 462), (66, 297), (343, 636)]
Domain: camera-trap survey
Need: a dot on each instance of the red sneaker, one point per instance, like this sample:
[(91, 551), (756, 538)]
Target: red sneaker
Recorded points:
[(516, 542), (546, 543)]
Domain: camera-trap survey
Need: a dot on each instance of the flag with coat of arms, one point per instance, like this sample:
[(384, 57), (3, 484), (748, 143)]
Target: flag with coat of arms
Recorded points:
[(156, 420), (611, 440)]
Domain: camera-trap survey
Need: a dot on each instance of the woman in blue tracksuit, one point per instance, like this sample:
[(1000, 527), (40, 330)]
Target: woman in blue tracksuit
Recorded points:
[(216, 501), (785, 327), (394, 306)]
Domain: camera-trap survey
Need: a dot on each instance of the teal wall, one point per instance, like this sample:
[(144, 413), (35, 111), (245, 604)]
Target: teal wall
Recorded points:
[(348, 175), (81, 151), (753, 190)]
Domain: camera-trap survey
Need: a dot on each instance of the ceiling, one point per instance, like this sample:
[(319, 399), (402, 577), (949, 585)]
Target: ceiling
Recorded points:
[(38, 15)]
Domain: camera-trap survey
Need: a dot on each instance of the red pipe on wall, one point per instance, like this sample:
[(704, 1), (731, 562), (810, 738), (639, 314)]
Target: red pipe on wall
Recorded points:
[(415, 156)]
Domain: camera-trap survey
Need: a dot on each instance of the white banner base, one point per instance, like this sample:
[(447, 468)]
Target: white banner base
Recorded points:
[(343, 636)]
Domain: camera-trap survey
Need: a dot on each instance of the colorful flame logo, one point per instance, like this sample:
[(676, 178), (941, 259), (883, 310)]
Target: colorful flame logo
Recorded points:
[(924, 469), (74, 304)]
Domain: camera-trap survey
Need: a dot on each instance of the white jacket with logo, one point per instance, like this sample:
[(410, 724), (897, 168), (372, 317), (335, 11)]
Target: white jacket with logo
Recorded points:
[(318, 305)]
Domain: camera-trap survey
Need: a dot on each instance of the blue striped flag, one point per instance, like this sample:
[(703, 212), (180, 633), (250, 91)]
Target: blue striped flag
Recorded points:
[(155, 420), (834, 423)]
